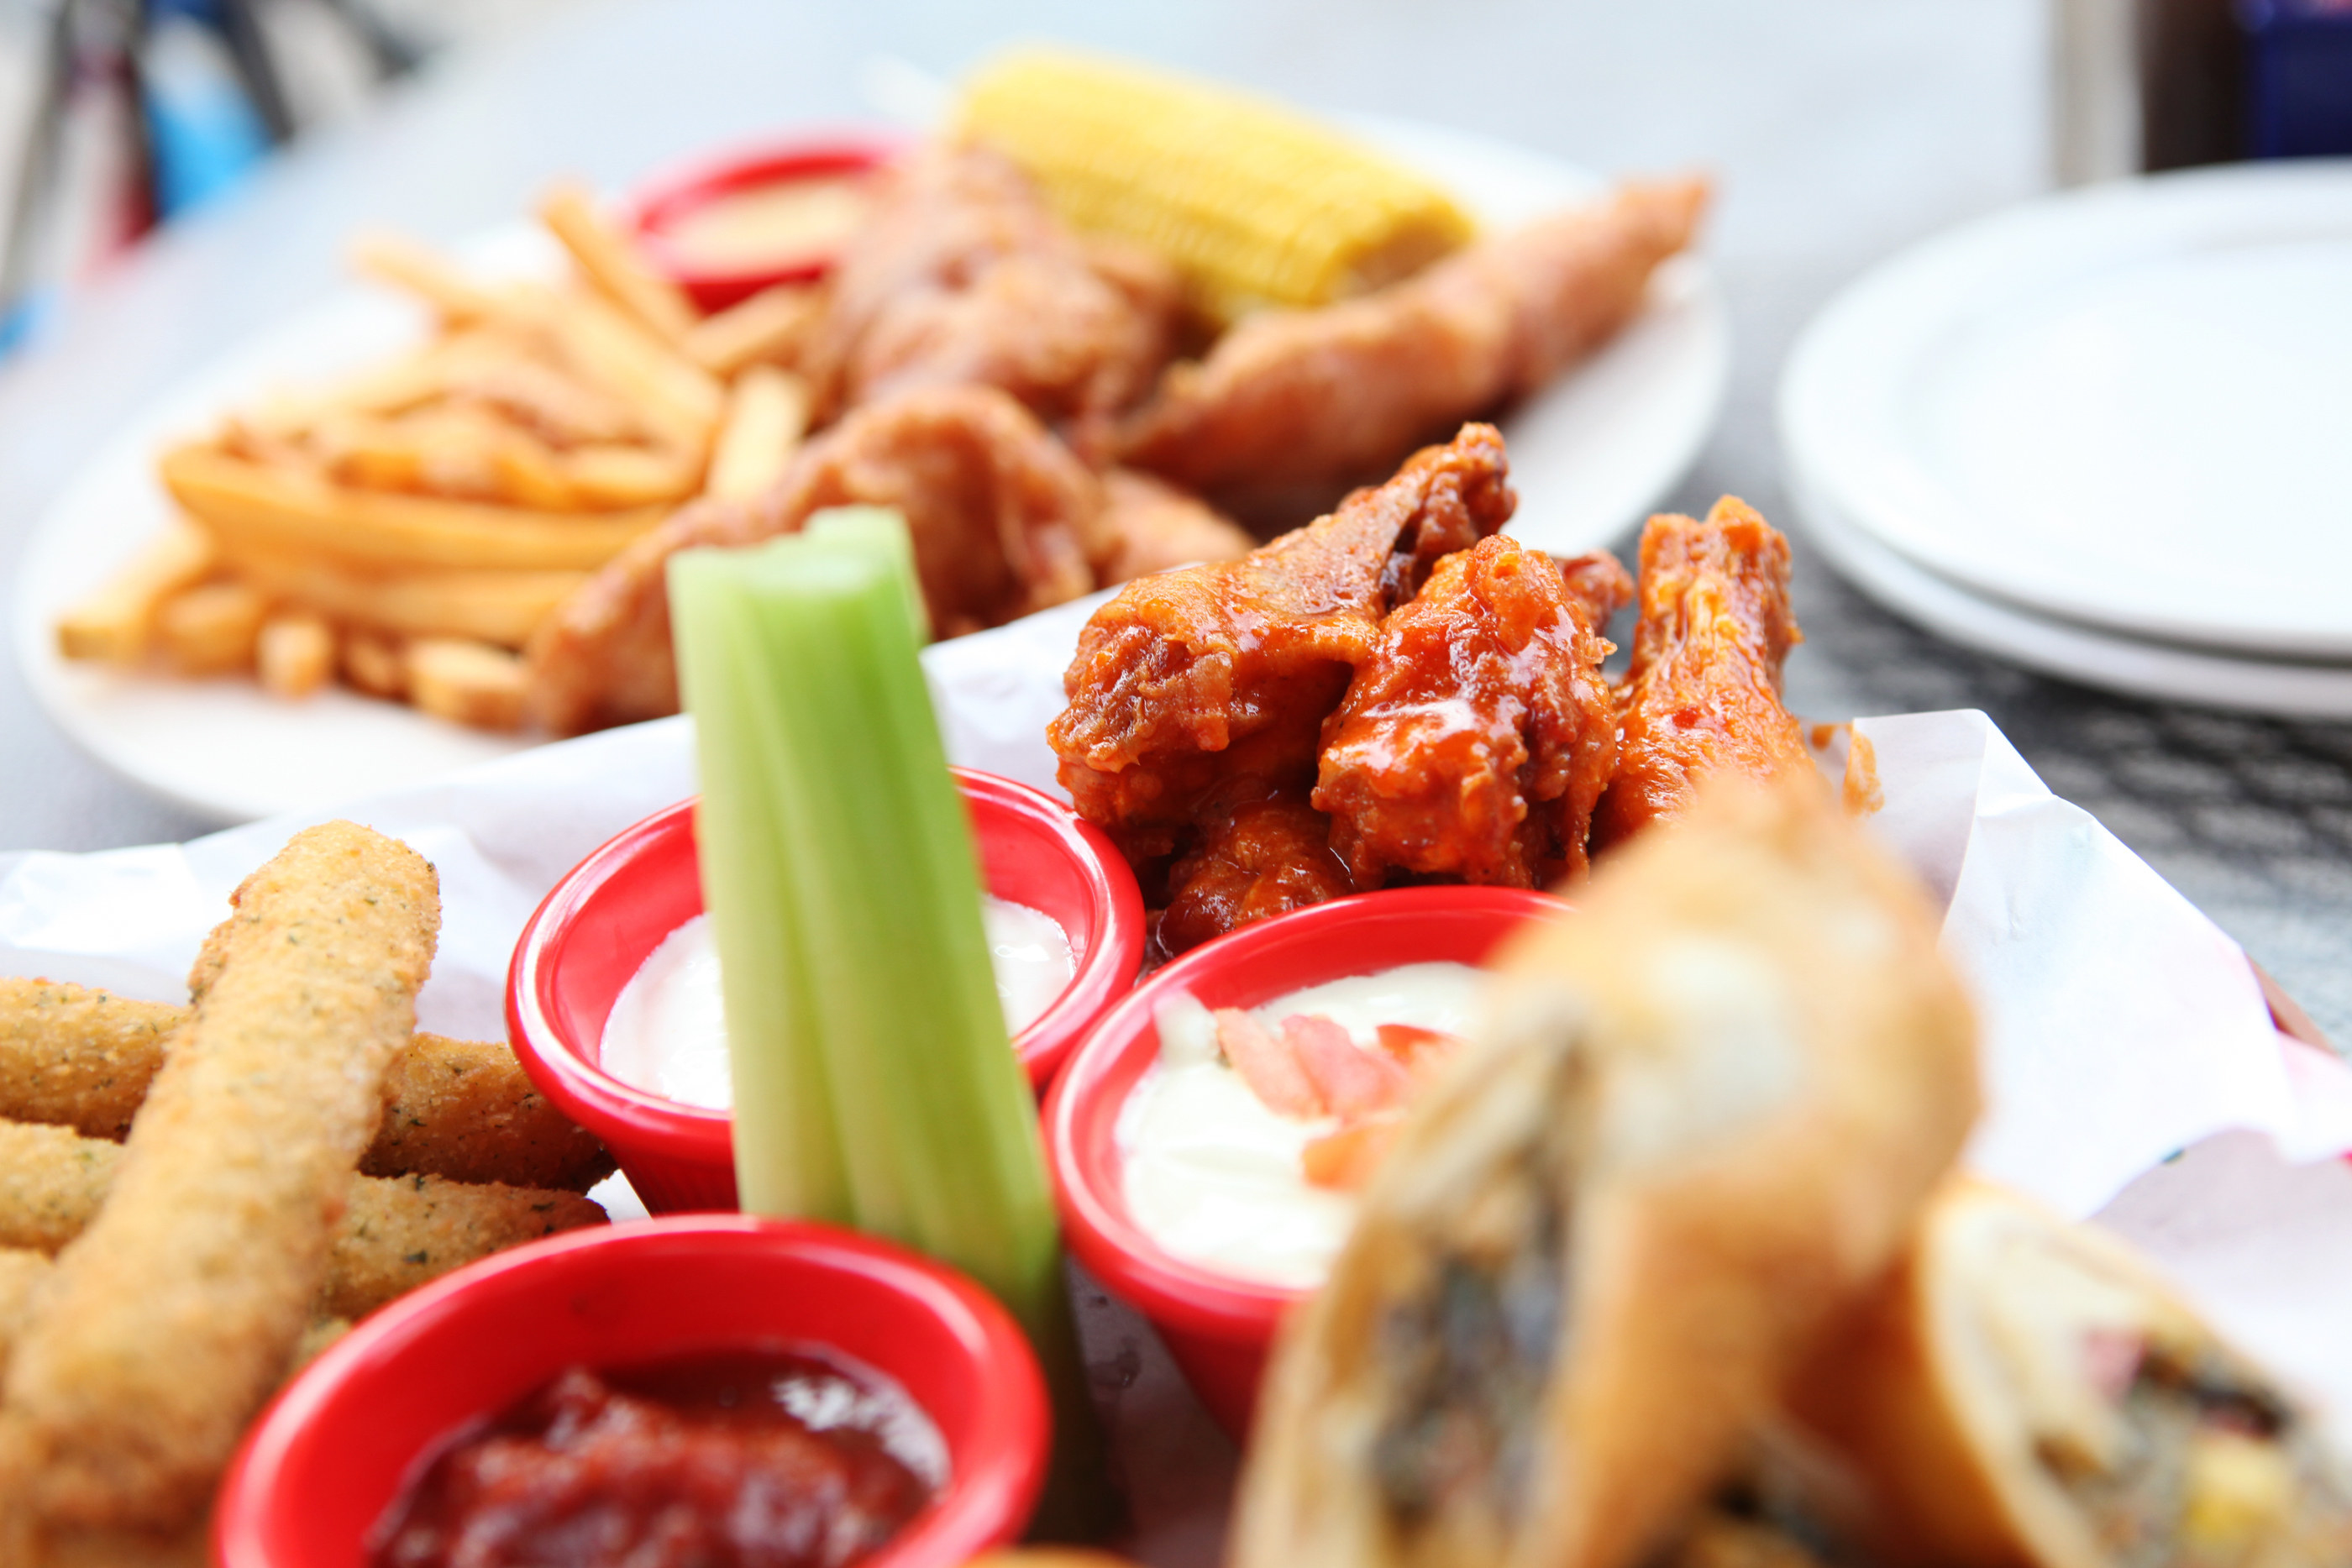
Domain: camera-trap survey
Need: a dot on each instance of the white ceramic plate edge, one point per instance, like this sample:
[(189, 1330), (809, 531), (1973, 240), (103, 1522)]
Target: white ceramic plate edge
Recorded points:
[(1838, 390), (2154, 669)]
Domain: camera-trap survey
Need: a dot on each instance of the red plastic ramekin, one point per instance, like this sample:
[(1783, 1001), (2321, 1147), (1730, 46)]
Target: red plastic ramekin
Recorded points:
[(1220, 1328), (332, 1453), (670, 197), (613, 909)]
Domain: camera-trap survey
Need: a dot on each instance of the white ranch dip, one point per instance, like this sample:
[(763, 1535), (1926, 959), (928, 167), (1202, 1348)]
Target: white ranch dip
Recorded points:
[(667, 1033), (1212, 1176)]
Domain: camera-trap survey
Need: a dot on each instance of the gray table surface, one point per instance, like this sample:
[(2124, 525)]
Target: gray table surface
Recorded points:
[(1841, 129)]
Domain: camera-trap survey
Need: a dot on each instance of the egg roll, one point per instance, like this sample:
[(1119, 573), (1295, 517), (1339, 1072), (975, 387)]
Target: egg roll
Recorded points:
[(1697, 1121), (2025, 1391)]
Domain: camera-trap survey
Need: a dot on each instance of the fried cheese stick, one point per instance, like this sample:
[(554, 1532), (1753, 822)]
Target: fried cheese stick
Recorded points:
[(80, 1056), (395, 1234), (171, 1317)]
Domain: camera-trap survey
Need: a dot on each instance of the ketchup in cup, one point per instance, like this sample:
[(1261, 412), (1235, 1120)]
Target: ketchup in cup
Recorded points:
[(732, 1460)]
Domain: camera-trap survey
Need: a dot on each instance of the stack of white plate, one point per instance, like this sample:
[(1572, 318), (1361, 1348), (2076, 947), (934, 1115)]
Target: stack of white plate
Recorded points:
[(2106, 434)]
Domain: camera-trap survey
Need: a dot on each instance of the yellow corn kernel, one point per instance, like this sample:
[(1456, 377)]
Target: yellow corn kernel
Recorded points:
[(1256, 205)]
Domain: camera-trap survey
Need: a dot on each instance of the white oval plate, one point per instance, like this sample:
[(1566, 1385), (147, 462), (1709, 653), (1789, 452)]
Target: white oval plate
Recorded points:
[(1591, 455), (2125, 406), (2164, 671)]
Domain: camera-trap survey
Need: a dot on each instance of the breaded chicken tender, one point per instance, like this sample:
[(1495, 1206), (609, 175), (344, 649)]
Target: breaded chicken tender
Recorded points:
[(1341, 393), (171, 1318), (80, 1057)]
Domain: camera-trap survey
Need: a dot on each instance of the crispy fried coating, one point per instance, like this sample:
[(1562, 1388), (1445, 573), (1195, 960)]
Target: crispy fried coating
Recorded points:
[(82, 1058), (1159, 527), (1477, 735), (171, 1317), (1193, 684), (960, 275), (1005, 520), (1340, 393), (395, 1234), (404, 1231), (21, 1269), (465, 1109), (77, 1055), (1703, 696), (1257, 859)]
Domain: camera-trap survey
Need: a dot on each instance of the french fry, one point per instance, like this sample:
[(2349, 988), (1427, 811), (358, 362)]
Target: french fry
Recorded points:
[(376, 664), (468, 683), (404, 265), (680, 400), (770, 325), (541, 399), (605, 476), (254, 509), (611, 262), (767, 415), (295, 655), (117, 622), (500, 607), (210, 629)]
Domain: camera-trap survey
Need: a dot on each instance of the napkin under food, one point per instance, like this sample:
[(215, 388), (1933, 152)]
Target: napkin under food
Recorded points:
[(2121, 1026)]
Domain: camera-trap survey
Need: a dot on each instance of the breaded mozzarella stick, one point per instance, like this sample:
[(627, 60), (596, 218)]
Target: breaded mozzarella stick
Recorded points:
[(171, 1318), (80, 1056)]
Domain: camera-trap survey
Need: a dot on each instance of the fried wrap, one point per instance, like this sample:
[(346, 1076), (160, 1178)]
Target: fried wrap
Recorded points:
[(170, 1320), (2025, 1391), (80, 1056), (1699, 1116)]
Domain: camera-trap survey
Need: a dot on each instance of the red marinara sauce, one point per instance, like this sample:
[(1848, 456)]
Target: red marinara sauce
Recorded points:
[(737, 1460)]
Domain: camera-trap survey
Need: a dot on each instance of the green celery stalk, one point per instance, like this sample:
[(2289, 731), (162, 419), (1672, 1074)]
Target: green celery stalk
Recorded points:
[(874, 1083)]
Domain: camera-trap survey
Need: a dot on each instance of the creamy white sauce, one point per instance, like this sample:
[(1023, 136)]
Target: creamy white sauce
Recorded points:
[(667, 1033), (1214, 1176)]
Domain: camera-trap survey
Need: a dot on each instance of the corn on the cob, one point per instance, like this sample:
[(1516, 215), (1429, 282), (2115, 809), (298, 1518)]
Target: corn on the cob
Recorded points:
[(1256, 204)]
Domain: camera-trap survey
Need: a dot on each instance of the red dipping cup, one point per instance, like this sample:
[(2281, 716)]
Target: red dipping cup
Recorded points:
[(612, 910), (666, 200), (1220, 1327), (348, 1435)]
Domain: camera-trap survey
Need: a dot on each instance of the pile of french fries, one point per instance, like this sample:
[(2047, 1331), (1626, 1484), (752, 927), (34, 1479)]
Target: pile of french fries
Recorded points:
[(405, 530)]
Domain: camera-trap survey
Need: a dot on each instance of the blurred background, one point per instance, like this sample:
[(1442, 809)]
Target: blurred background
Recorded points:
[(176, 175)]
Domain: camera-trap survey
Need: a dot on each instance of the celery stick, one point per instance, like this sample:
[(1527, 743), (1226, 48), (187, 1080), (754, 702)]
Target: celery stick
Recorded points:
[(874, 1084)]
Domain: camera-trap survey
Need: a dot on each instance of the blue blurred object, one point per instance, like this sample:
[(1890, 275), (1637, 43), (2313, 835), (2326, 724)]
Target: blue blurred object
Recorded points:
[(2299, 77), (204, 132)]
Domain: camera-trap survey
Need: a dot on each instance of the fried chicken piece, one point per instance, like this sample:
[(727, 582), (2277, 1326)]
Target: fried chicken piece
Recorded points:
[(1704, 693), (1332, 394), (1006, 521), (1191, 681), (1159, 528), (1261, 858), (961, 274), (1475, 738)]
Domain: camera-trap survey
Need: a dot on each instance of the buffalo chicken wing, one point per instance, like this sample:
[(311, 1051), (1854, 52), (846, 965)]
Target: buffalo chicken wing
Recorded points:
[(1479, 734), (1191, 684), (1704, 693)]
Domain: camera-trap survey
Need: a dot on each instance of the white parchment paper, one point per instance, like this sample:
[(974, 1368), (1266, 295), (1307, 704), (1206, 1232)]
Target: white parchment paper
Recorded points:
[(2121, 1026)]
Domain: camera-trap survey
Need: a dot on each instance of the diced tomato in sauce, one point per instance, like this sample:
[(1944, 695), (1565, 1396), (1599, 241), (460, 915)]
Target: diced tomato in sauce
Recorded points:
[(696, 1463)]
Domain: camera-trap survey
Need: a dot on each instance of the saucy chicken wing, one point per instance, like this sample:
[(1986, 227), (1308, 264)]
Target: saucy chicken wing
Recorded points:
[(961, 274), (1005, 520), (1263, 857), (1479, 732), (1190, 681), (1704, 693), (1332, 394)]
